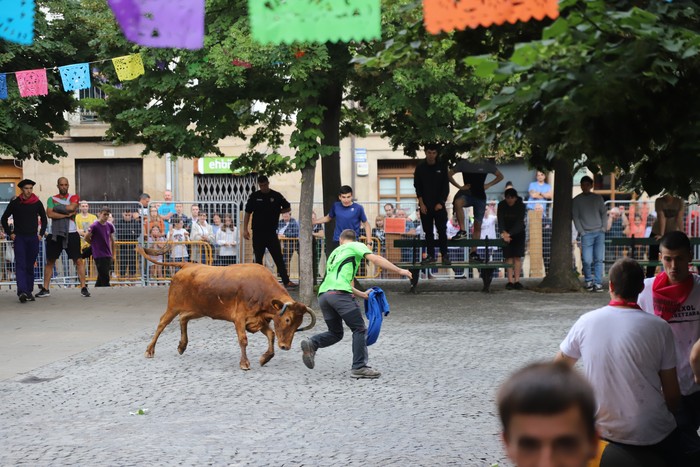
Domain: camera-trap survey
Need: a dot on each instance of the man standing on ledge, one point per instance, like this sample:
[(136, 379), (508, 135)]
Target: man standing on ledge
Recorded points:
[(432, 188), (335, 297), (472, 193), (61, 209), (26, 210), (267, 205)]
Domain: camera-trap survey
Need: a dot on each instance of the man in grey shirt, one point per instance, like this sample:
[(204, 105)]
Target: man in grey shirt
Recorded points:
[(590, 218)]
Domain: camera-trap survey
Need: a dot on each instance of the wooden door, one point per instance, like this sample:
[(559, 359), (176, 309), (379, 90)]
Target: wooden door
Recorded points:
[(108, 180)]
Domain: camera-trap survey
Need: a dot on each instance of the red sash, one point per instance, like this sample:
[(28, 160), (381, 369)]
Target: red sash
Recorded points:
[(668, 298)]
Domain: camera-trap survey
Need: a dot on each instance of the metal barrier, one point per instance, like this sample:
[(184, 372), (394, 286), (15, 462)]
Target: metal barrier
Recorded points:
[(133, 222)]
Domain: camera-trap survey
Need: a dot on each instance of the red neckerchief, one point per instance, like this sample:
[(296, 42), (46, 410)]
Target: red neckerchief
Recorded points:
[(31, 200), (667, 298), (625, 304)]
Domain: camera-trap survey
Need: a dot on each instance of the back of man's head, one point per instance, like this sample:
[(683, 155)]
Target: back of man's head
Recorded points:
[(348, 234), (546, 389), (627, 279)]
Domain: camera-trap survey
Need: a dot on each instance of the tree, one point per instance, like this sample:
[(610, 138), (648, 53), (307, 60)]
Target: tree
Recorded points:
[(28, 124), (189, 100), (612, 82), (609, 84)]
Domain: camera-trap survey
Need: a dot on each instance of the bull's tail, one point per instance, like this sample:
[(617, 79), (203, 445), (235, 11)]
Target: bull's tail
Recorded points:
[(149, 253)]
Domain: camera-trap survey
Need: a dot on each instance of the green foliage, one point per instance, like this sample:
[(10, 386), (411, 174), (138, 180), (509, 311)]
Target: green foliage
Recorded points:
[(28, 124), (614, 81)]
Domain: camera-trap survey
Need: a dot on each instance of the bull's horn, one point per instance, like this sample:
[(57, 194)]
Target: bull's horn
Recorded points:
[(313, 320), (159, 251)]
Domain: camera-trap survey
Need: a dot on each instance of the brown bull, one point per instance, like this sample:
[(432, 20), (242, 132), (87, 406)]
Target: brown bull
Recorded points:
[(248, 295)]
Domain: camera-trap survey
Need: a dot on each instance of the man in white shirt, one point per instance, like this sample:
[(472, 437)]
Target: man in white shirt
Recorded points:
[(674, 295), (629, 359)]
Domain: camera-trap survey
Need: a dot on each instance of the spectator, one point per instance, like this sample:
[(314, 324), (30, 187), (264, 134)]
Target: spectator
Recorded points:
[(378, 233), (669, 218), (27, 230), (167, 210), (540, 193), (128, 229), (266, 205), (194, 212), (472, 193), (144, 199), (201, 232), (674, 295), (178, 234), (347, 215), (215, 223), (457, 253), (288, 233), (83, 220), (100, 236), (61, 208), (156, 240), (432, 188), (590, 218), (488, 229), (629, 359), (319, 235), (227, 240), (388, 210), (511, 224), (152, 219), (547, 413), (179, 212), (617, 228)]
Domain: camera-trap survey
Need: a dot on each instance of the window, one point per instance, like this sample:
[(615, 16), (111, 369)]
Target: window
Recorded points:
[(396, 184)]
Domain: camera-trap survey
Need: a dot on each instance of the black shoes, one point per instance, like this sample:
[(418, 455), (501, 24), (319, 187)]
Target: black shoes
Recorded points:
[(43, 293), (309, 353)]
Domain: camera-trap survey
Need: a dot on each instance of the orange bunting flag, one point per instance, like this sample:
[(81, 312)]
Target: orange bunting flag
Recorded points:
[(448, 15)]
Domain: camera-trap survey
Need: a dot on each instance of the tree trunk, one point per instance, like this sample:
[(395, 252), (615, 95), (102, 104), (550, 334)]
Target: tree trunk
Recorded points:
[(332, 100), (561, 275), (306, 247)]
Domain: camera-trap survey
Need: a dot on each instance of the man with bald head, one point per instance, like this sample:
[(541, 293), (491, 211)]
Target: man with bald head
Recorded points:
[(61, 209)]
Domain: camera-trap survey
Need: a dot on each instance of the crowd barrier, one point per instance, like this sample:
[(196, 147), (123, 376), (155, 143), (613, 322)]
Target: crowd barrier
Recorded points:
[(133, 222)]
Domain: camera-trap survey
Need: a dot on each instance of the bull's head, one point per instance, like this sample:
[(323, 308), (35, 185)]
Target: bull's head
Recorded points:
[(288, 320)]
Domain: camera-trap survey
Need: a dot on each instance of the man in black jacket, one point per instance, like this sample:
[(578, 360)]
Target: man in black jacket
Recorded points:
[(432, 188), (266, 205), (26, 211)]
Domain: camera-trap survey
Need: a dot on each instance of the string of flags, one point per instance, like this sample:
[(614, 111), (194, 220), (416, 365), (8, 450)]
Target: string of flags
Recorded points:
[(180, 23), (73, 77)]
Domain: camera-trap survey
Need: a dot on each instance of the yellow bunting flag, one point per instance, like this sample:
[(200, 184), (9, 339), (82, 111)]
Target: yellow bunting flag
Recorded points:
[(128, 67), (448, 15)]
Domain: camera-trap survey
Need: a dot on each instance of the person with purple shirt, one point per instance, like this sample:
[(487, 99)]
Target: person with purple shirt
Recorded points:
[(101, 238), (347, 214)]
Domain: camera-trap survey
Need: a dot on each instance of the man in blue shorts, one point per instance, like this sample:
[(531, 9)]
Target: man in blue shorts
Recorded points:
[(347, 215), (472, 193), (335, 297)]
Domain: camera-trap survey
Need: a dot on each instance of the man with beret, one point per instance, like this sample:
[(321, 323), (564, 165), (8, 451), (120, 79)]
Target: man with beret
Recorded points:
[(27, 211)]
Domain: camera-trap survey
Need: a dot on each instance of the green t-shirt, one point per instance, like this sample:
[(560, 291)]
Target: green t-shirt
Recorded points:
[(342, 266)]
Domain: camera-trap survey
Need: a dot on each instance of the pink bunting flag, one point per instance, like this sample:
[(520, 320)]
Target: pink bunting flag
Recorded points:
[(32, 82), (161, 23)]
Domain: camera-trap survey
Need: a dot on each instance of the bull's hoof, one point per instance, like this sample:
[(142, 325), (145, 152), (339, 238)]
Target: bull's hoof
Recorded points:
[(149, 353), (245, 366), (181, 348), (266, 358)]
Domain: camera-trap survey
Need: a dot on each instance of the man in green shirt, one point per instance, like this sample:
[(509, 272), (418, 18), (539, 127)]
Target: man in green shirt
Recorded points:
[(335, 297)]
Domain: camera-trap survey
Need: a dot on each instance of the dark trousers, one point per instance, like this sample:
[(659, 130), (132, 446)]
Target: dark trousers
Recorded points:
[(339, 307), (103, 266), (26, 249), (269, 240), (439, 218)]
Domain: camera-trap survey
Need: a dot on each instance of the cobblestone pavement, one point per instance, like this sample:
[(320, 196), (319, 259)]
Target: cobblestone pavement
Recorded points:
[(442, 354)]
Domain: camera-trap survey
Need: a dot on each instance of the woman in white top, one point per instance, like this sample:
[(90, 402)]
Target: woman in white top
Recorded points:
[(201, 232), (227, 239)]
